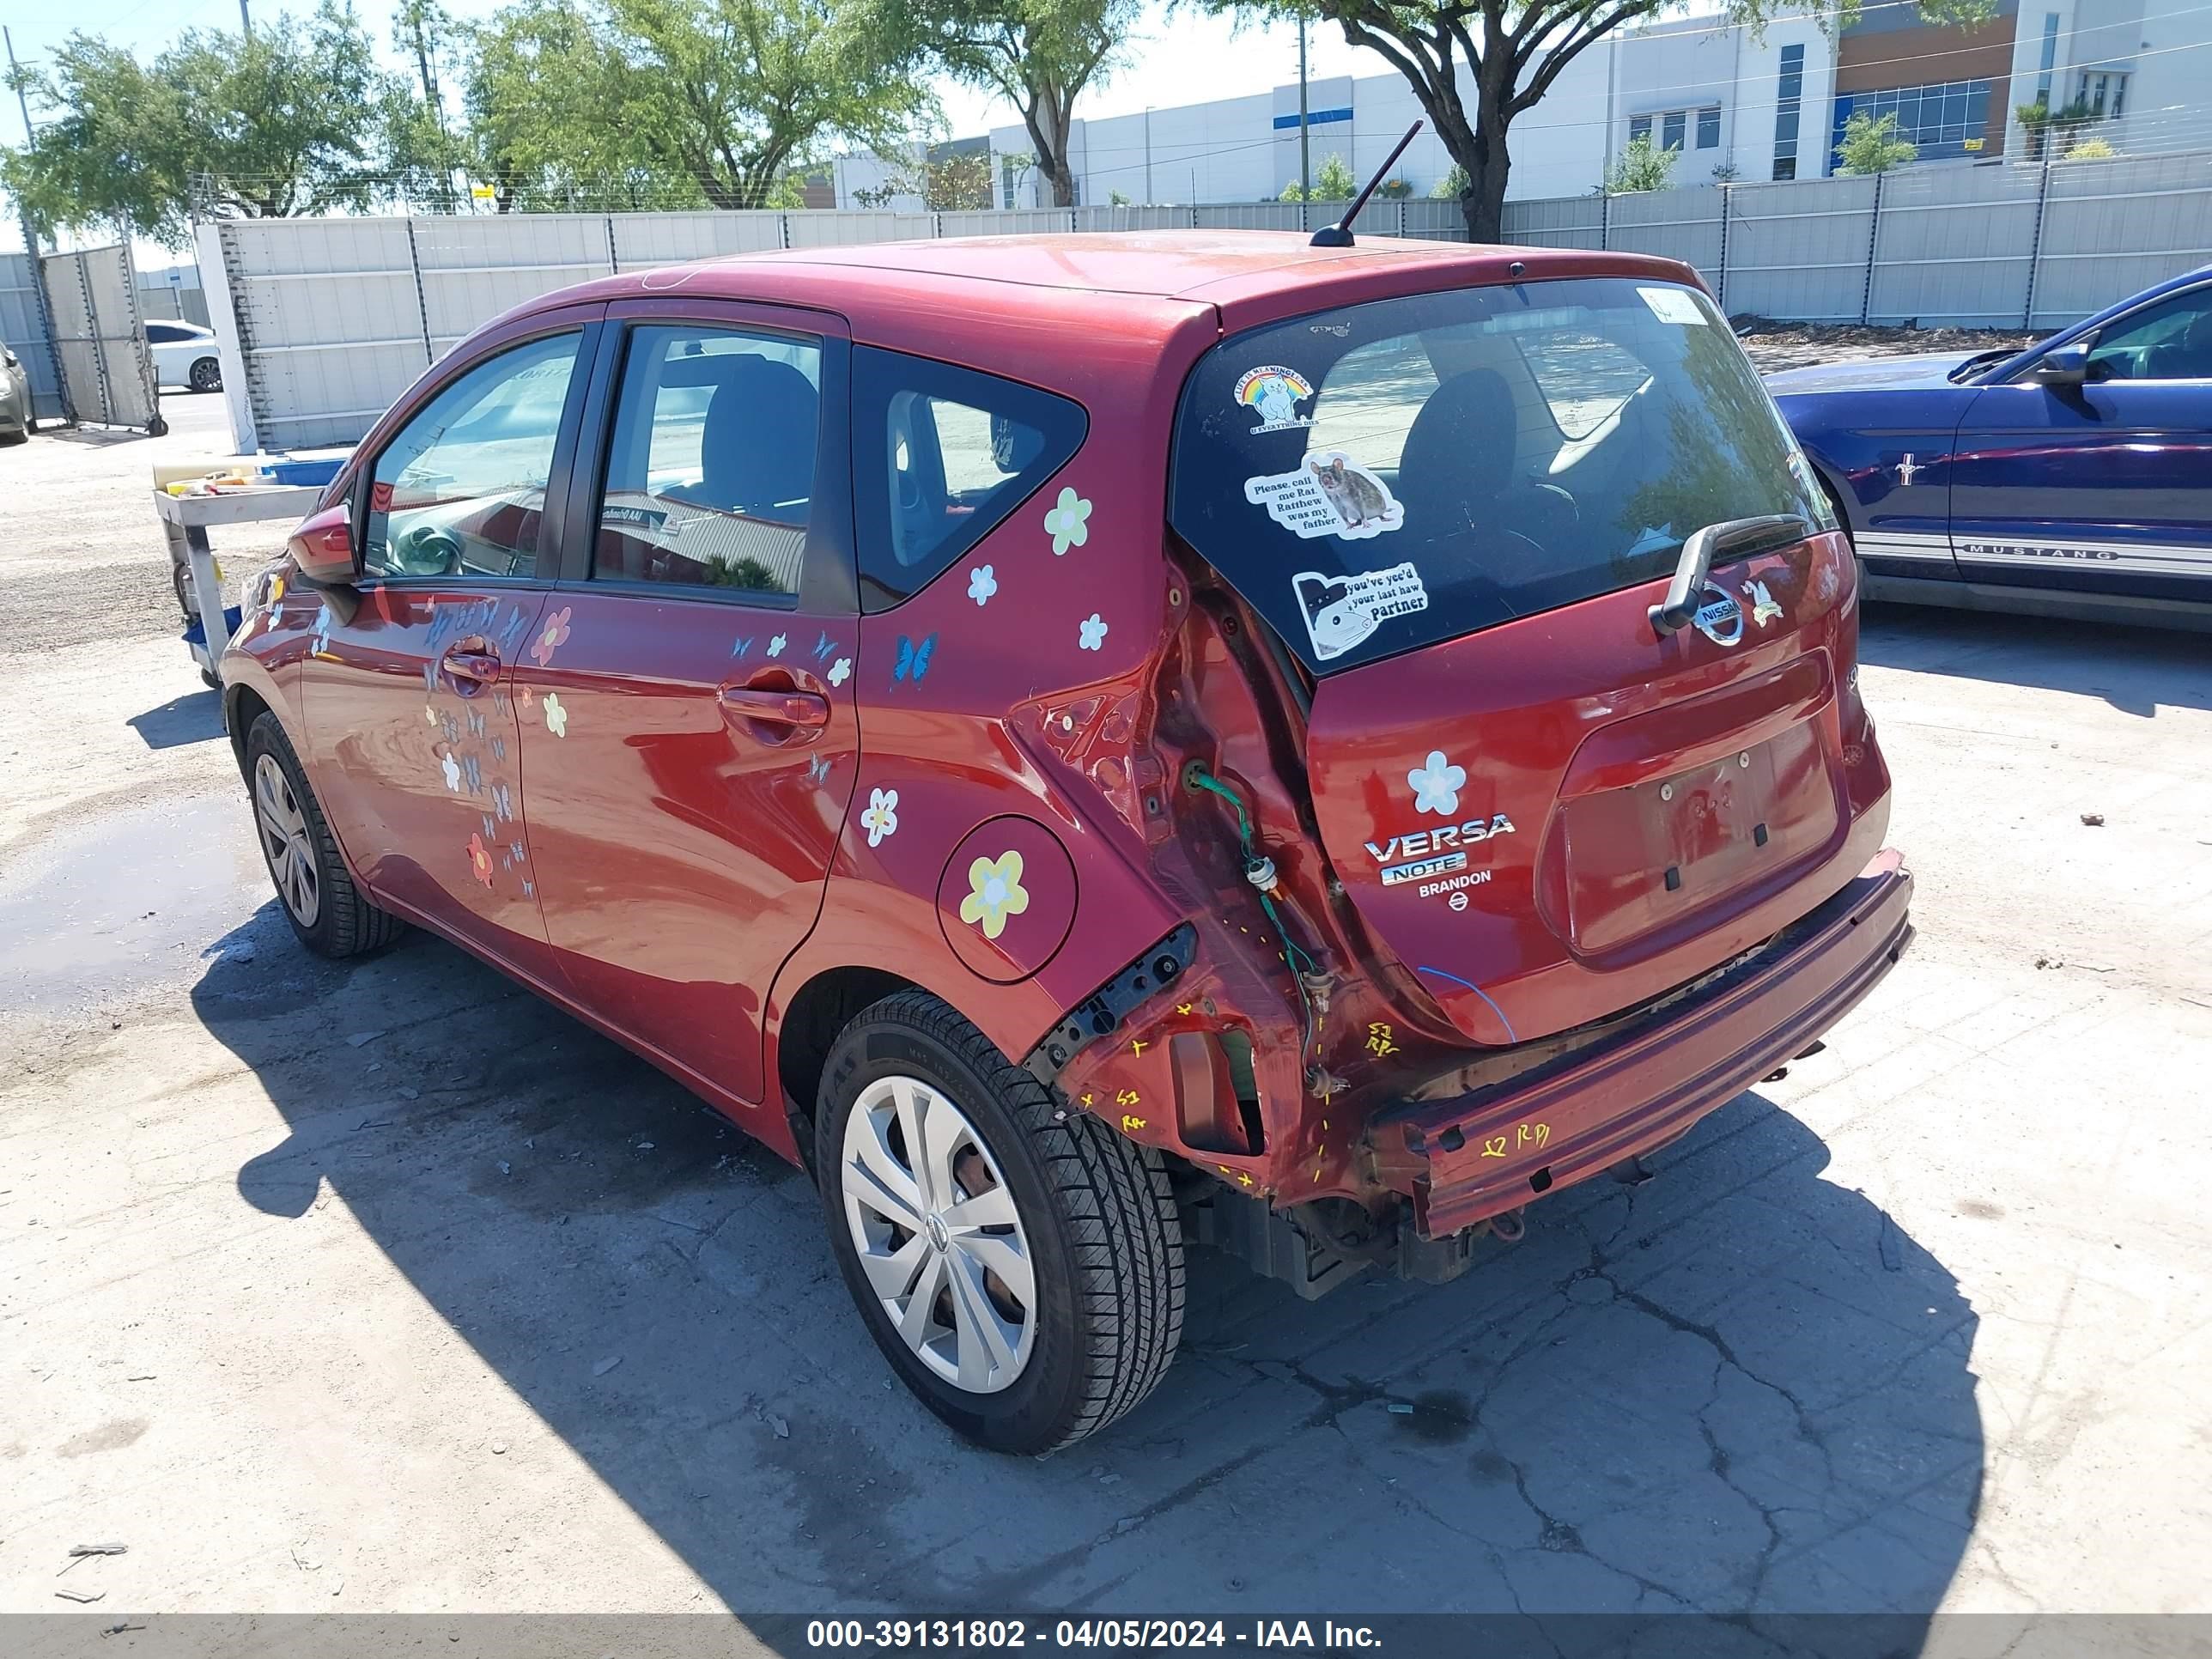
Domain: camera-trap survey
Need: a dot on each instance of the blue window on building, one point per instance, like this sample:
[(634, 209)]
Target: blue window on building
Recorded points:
[(1791, 89), (1709, 128), (1944, 121)]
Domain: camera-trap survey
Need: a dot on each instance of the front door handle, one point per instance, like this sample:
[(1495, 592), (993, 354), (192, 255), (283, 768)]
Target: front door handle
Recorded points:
[(469, 667), (775, 706)]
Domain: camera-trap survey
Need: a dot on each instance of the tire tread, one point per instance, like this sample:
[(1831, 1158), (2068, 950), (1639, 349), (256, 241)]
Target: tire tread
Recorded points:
[(1121, 1211)]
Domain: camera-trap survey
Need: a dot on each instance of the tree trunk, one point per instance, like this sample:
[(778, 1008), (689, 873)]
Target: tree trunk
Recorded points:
[(1488, 162), (1483, 201)]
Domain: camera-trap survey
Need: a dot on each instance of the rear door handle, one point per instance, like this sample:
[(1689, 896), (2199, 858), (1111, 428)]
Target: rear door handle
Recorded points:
[(760, 705), (468, 667)]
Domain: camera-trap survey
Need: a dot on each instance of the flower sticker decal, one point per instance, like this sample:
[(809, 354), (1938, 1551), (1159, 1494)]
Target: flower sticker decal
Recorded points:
[(480, 860), (557, 717), (1066, 523), (529, 696), (841, 671), (776, 646), (1764, 609), (879, 818), (1437, 785), (550, 637), (452, 769), (983, 582), (429, 714), (322, 620), (1091, 632), (995, 892)]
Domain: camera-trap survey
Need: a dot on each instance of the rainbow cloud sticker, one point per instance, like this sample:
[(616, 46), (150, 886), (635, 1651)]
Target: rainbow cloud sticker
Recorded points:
[(1274, 393)]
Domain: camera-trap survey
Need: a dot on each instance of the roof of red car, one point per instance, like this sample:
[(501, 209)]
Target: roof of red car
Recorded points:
[(1170, 264), (1006, 294)]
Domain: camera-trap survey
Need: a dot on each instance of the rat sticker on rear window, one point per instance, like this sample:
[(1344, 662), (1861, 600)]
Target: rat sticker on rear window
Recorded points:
[(1341, 611), (1274, 393), (1672, 305), (1331, 494)]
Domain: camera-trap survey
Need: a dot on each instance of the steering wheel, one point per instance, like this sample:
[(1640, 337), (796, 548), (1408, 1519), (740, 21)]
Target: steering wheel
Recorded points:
[(429, 550)]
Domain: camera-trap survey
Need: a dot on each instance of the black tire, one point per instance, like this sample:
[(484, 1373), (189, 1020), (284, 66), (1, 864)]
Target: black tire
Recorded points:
[(345, 923), (10, 440), (206, 375), (1105, 1244)]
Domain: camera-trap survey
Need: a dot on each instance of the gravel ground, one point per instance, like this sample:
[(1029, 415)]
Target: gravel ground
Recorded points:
[(385, 1287), (1775, 346)]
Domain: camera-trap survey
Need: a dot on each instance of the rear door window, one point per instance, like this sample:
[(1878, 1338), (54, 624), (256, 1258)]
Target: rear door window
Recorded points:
[(1382, 476), (941, 455), (710, 477)]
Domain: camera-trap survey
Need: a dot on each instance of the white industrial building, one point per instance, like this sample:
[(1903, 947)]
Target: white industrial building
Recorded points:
[(1738, 103)]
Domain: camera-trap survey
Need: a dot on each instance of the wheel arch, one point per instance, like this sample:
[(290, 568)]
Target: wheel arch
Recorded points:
[(820, 1009)]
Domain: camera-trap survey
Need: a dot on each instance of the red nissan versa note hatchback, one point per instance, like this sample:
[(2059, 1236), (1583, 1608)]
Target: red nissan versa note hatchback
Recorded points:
[(1090, 743)]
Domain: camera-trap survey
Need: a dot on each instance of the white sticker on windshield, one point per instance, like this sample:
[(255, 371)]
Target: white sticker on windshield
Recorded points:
[(1274, 393), (1674, 305), (1330, 495), (1340, 612)]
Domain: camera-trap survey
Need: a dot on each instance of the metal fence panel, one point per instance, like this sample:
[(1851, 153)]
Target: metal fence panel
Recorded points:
[(23, 329), (1675, 224), (1251, 216), (327, 315), (840, 227), (1952, 246), (1557, 221), (1435, 221), (645, 240), (473, 269), (2110, 227), (1800, 250), (106, 363)]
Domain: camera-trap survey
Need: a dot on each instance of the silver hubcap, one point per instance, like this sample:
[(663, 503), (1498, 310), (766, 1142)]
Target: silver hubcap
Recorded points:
[(935, 1227), (284, 841)]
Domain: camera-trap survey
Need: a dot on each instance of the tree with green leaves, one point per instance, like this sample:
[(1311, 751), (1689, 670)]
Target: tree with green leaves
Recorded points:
[(1508, 54), (1641, 166), (296, 119), (1333, 182), (1040, 55), (1872, 146), (717, 103)]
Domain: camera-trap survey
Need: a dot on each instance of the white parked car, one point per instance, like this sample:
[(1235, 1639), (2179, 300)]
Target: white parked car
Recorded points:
[(184, 356)]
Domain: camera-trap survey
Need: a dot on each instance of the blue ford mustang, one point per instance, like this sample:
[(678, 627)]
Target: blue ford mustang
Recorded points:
[(2073, 478)]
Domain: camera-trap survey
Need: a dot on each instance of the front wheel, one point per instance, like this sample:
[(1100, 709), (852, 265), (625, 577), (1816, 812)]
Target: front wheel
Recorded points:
[(1020, 1264), (332, 915)]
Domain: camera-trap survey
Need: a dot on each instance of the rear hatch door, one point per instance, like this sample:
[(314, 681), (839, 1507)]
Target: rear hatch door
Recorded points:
[(1458, 509)]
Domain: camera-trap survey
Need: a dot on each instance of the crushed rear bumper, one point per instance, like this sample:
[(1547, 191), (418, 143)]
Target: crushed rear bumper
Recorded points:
[(1465, 1160)]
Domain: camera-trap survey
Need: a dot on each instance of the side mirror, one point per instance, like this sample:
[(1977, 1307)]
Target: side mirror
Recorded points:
[(2066, 364), (322, 548)]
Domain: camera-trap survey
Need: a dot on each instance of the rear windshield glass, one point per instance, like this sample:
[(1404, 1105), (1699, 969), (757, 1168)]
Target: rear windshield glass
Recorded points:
[(1382, 476)]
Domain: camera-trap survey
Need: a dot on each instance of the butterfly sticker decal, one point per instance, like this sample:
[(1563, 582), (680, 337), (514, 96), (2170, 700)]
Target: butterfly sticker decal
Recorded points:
[(743, 645), (914, 659), (823, 647)]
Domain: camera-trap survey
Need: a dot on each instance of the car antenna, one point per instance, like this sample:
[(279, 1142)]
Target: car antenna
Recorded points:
[(1339, 233)]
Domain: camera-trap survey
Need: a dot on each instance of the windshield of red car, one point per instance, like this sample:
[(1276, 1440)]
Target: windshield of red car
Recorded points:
[(1382, 476)]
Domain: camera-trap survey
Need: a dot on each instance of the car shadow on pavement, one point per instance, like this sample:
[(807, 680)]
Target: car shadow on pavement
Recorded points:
[(1736, 1386), (2136, 670), (195, 718)]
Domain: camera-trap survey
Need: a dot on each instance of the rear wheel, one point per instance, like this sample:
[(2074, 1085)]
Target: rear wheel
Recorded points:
[(1020, 1265), (330, 913), (206, 375)]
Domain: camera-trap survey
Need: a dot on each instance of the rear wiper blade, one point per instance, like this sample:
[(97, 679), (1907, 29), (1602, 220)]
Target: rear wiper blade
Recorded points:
[(1695, 567)]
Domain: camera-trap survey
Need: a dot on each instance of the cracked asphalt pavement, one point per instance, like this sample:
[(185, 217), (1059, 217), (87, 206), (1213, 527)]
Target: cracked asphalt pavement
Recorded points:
[(384, 1287)]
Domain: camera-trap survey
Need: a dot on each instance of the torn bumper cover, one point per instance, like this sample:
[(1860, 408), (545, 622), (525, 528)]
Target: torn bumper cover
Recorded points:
[(1464, 1160)]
